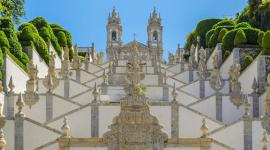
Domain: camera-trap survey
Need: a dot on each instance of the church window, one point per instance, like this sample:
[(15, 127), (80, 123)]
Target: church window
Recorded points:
[(114, 36), (155, 36)]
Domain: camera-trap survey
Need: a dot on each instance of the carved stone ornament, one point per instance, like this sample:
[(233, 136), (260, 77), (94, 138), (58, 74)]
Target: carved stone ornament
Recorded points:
[(202, 68), (266, 118), (135, 128), (191, 60), (65, 70), (76, 63), (216, 81), (31, 96), (51, 81), (2, 124), (236, 95)]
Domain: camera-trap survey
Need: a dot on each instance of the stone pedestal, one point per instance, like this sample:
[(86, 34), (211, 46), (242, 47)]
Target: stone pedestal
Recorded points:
[(165, 92), (66, 88), (9, 105), (247, 133), (49, 106), (19, 132), (78, 75), (174, 119), (202, 88), (219, 107), (94, 120)]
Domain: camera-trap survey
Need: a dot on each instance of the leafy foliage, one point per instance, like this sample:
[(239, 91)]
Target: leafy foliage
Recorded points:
[(225, 22), (12, 9), (191, 39), (61, 36), (240, 38), (228, 40), (222, 34)]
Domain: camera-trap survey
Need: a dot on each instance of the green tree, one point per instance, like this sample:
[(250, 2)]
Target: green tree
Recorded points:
[(12, 9), (240, 38)]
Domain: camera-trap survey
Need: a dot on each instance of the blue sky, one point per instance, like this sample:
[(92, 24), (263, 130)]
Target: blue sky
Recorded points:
[(86, 19)]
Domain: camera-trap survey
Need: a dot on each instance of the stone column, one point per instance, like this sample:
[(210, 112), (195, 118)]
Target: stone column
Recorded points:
[(86, 66), (9, 105), (202, 88), (66, 87), (95, 120), (19, 141), (256, 107), (78, 75), (49, 106), (165, 92), (219, 109), (190, 74), (247, 133), (261, 74), (174, 119)]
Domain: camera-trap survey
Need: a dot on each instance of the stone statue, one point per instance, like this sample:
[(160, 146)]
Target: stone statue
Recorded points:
[(266, 118), (76, 63), (216, 81), (202, 68), (31, 96), (236, 96), (171, 59), (191, 60), (50, 81), (65, 71)]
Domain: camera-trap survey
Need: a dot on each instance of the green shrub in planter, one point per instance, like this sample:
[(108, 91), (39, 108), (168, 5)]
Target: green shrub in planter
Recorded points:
[(247, 61), (240, 38)]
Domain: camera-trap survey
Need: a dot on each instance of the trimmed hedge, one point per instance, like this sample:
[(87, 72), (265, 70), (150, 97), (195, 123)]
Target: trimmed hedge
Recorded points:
[(191, 39), (243, 25), (62, 40), (252, 35), (29, 25), (3, 40), (246, 62), (226, 22), (240, 38), (228, 40), (203, 27), (222, 34), (260, 38), (266, 40)]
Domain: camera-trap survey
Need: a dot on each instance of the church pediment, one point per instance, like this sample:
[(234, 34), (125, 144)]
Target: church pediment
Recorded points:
[(130, 45)]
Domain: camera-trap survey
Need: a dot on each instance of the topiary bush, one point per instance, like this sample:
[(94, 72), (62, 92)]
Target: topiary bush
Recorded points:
[(260, 38), (240, 38), (266, 43), (208, 36), (62, 40), (222, 34), (251, 35), (28, 25), (191, 39), (243, 25), (203, 27), (226, 22), (3, 40), (246, 62), (228, 40)]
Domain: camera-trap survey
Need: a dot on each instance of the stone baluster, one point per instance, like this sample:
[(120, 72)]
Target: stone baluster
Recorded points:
[(19, 124)]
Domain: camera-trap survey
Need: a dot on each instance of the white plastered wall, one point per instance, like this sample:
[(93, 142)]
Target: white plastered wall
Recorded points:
[(41, 64)]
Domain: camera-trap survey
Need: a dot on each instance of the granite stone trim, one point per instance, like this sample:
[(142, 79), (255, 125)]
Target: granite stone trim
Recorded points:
[(66, 88), (202, 88), (78, 75), (256, 104), (49, 106), (219, 107), (174, 120), (247, 133), (95, 121), (19, 132), (9, 101)]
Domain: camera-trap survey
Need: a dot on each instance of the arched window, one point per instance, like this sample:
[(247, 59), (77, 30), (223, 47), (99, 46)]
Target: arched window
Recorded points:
[(114, 36), (155, 36)]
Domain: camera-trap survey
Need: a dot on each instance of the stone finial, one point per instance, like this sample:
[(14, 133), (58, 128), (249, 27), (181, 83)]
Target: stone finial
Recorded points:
[(204, 128), (11, 85), (20, 105), (216, 81), (202, 68), (95, 93), (2, 124), (65, 128), (76, 63), (255, 85), (174, 92), (264, 141), (236, 95), (246, 105)]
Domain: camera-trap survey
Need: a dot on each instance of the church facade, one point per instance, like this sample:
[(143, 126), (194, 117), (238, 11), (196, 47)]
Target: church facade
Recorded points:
[(133, 100)]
